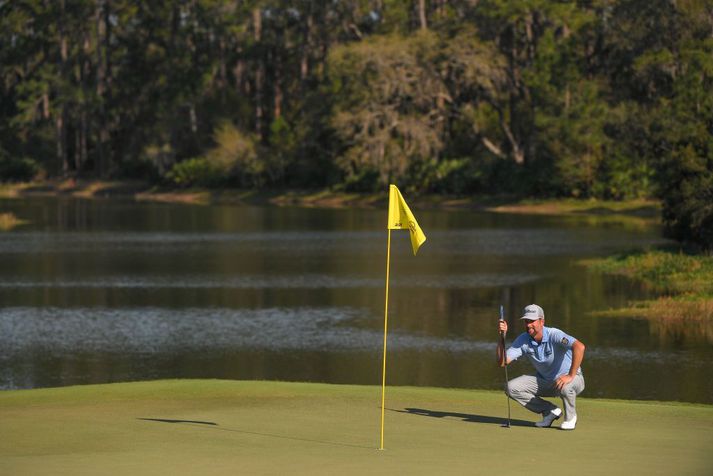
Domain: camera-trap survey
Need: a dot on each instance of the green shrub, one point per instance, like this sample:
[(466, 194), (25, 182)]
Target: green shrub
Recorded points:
[(20, 169), (236, 155), (688, 197), (365, 180), (138, 168), (196, 172), (450, 176)]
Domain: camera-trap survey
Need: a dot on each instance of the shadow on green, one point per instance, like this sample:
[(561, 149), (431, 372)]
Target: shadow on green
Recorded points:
[(466, 417)]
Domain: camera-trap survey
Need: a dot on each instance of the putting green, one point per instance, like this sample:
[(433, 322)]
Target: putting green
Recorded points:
[(238, 427)]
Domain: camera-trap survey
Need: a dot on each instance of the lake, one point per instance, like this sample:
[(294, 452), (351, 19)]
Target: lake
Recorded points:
[(95, 291)]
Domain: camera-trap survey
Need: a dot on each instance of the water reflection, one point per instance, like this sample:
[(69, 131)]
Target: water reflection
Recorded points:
[(101, 291), (682, 332), (156, 330), (306, 281), (503, 242), (61, 332)]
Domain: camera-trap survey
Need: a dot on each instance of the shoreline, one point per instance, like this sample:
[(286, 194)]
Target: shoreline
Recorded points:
[(646, 210)]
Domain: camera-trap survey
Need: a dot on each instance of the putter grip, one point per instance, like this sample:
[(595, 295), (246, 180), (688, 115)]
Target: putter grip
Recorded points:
[(502, 318), (502, 342)]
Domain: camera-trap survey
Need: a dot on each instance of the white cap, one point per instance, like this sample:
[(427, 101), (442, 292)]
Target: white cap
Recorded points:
[(533, 312)]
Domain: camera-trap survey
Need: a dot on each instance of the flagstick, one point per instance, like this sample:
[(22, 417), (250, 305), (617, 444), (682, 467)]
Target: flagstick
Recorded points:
[(386, 321)]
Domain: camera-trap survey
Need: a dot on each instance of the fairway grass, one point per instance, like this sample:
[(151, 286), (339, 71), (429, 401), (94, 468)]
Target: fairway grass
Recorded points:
[(256, 427)]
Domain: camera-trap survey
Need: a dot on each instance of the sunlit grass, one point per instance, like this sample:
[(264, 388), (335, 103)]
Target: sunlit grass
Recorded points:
[(684, 280), (663, 271), (628, 212), (8, 221), (641, 208), (232, 427)]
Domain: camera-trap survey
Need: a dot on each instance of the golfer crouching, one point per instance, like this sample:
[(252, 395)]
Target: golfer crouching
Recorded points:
[(556, 357)]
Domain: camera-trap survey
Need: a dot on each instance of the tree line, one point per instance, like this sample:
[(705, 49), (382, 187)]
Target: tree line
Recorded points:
[(592, 98)]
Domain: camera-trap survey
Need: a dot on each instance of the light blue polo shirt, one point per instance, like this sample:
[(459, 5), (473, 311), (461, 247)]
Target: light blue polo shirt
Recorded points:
[(551, 358)]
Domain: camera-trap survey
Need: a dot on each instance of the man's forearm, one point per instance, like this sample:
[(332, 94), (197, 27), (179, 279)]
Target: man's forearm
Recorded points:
[(577, 357)]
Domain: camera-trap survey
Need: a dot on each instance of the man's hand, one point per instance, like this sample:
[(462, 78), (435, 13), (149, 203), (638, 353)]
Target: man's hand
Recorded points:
[(577, 356), (500, 351), (562, 380)]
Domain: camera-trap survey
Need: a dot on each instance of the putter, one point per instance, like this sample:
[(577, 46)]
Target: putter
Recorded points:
[(507, 381)]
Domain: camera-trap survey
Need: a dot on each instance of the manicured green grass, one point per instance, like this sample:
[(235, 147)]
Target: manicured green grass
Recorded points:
[(236, 427)]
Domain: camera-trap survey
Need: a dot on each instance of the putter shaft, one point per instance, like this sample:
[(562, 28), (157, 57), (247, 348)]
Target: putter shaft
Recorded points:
[(505, 358)]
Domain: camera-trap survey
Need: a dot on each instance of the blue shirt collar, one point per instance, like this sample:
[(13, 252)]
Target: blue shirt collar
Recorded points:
[(545, 336)]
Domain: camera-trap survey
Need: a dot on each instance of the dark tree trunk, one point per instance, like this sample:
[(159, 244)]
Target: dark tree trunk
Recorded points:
[(61, 119), (102, 50), (259, 73)]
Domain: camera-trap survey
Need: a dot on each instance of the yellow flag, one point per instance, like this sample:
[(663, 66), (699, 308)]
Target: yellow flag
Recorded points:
[(401, 218)]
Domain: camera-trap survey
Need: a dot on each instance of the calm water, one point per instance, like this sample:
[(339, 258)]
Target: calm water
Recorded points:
[(107, 291)]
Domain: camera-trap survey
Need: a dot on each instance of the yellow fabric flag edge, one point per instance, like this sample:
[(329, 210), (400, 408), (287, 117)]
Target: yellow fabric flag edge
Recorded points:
[(401, 218)]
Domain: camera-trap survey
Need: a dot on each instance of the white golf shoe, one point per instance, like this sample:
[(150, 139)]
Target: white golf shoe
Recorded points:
[(569, 424), (549, 418)]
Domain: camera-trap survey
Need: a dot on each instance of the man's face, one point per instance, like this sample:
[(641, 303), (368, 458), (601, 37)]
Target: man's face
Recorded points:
[(534, 328)]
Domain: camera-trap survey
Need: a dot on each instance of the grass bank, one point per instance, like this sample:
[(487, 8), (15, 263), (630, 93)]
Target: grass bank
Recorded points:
[(142, 191), (8, 221), (684, 281), (237, 427)]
